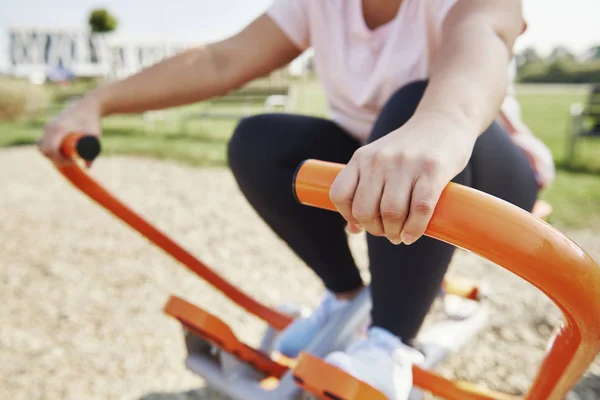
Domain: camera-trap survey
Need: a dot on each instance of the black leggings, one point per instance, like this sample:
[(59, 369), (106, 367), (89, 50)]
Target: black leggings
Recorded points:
[(264, 152)]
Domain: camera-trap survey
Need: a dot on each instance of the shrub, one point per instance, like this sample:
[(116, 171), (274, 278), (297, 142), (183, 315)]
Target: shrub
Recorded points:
[(19, 99), (561, 71)]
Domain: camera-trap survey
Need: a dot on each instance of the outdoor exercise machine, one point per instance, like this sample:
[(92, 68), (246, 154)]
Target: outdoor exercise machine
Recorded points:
[(482, 224)]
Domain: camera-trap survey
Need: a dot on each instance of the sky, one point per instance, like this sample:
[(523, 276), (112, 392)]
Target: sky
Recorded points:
[(573, 23)]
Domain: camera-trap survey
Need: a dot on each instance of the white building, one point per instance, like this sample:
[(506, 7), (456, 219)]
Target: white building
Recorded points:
[(35, 51)]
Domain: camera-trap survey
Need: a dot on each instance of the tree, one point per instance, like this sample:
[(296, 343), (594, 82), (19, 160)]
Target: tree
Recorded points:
[(592, 54), (102, 21), (561, 53), (528, 56)]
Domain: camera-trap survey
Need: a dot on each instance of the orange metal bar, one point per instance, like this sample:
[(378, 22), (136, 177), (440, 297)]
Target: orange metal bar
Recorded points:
[(328, 382), (217, 332), (84, 182), (454, 390), (318, 377), (518, 241)]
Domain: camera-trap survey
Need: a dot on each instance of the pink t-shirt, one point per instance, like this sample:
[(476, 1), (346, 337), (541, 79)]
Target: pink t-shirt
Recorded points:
[(359, 68)]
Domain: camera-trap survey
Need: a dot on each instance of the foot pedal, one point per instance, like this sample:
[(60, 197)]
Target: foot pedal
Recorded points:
[(330, 383), (218, 333)]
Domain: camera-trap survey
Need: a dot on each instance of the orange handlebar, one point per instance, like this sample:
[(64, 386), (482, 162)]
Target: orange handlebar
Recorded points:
[(76, 146), (525, 245)]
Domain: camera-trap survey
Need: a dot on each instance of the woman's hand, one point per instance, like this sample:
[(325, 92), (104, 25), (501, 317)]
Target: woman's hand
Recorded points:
[(82, 117), (391, 186)]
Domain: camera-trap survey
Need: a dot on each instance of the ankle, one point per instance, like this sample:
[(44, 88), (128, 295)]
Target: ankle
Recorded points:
[(389, 340), (384, 334), (350, 295)]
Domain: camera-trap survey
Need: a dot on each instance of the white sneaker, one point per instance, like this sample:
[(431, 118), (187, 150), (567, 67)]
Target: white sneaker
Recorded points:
[(382, 361), (301, 332)]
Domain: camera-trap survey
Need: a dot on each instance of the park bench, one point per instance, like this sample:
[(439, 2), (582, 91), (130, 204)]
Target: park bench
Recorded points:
[(237, 104), (244, 102), (585, 122)]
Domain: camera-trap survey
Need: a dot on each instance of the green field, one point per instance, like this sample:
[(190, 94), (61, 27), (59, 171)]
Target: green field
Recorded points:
[(575, 195)]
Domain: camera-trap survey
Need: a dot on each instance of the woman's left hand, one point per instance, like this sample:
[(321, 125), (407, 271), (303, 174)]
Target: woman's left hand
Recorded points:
[(391, 186)]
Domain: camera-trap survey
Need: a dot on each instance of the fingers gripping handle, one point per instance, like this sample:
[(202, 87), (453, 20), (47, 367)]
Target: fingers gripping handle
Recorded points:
[(516, 240), (79, 145)]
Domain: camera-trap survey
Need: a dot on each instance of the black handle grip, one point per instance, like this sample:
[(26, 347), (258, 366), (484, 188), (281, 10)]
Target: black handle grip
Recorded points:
[(88, 147)]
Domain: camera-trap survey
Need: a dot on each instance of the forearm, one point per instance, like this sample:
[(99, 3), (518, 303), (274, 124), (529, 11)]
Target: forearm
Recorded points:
[(469, 77), (187, 77)]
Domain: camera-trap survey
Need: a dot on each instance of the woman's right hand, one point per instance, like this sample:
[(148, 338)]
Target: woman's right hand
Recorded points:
[(81, 117)]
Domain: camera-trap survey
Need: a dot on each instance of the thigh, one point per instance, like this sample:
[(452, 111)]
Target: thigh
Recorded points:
[(266, 141), (399, 108), (264, 153)]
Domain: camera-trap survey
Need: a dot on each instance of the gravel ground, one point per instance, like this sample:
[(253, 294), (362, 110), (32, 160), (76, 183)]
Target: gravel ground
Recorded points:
[(82, 294)]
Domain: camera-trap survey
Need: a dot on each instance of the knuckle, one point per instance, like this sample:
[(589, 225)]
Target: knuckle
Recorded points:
[(362, 215), (423, 207), (385, 157), (403, 158), (393, 213), (365, 156), (337, 196), (360, 154), (430, 164)]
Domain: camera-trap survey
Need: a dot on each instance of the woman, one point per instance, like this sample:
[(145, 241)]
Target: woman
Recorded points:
[(414, 88)]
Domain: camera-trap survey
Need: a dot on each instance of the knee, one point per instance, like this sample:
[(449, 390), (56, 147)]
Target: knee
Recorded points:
[(241, 144), (248, 145), (399, 108), (409, 95)]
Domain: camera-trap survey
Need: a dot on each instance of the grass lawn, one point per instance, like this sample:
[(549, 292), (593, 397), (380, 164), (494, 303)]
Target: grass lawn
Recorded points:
[(199, 143), (575, 195)]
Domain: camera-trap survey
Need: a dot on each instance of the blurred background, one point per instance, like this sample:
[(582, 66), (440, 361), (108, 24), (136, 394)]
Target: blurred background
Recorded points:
[(82, 295)]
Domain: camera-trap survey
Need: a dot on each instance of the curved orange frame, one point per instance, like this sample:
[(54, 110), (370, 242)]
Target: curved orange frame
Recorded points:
[(80, 178), (523, 244), (512, 238)]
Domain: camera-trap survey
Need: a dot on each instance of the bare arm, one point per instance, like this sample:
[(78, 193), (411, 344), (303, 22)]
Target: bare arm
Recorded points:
[(200, 73), (469, 76), (190, 76)]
